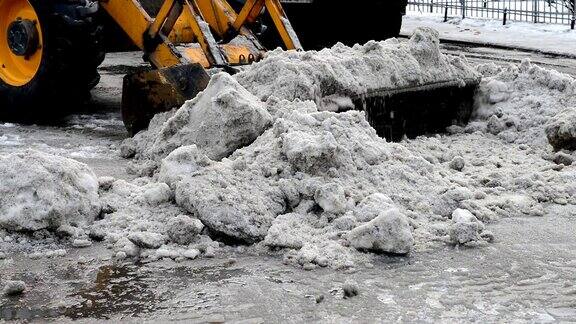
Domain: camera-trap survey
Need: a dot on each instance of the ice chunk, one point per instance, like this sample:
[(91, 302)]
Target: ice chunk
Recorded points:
[(310, 152), (331, 198), (389, 233), (14, 287), (457, 163), (184, 230), (561, 130), (221, 119), (372, 206), (182, 162), (465, 227)]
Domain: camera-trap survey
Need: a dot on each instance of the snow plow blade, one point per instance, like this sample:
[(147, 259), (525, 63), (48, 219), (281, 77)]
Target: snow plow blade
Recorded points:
[(151, 92), (418, 110)]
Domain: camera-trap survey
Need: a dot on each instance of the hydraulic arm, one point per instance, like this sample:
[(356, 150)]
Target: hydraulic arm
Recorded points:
[(184, 38), (209, 23)]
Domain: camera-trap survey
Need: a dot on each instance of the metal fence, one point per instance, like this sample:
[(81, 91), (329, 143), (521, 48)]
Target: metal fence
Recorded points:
[(537, 11)]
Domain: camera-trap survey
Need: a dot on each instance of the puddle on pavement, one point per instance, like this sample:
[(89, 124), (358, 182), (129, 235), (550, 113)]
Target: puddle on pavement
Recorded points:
[(116, 290), (207, 274)]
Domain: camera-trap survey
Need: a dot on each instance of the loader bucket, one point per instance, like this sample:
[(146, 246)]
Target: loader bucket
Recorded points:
[(418, 110), (147, 93)]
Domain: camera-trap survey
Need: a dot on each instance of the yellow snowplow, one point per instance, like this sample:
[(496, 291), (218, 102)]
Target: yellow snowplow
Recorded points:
[(50, 49)]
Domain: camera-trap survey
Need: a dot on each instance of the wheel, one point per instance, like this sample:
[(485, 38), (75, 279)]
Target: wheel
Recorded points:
[(326, 22), (49, 54)]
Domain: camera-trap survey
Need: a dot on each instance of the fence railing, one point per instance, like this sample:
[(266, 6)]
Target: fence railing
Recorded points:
[(537, 11)]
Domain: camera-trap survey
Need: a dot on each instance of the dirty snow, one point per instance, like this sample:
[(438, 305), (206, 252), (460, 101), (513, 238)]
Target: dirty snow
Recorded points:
[(140, 220), (14, 287), (346, 71), (220, 120), (561, 130), (42, 191), (258, 159)]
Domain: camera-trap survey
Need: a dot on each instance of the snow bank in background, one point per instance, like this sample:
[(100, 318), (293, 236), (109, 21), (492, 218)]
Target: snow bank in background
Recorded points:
[(42, 191), (342, 70), (549, 38)]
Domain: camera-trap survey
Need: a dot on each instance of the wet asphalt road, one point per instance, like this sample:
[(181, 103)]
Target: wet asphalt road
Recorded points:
[(527, 275)]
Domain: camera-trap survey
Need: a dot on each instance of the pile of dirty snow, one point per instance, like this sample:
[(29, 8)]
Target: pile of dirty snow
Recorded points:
[(140, 220), (258, 160), (41, 191), (284, 174), (325, 188), (307, 181), (513, 154), (229, 114)]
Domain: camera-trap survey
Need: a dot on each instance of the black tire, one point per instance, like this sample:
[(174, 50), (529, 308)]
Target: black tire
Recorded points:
[(326, 22), (72, 51)]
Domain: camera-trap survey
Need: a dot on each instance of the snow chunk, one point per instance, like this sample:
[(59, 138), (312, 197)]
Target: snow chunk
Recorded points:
[(147, 240), (81, 243), (221, 119), (310, 152), (14, 287), (228, 202), (457, 163), (331, 198), (561, 130), (496, 91), (389, 233), (182, 162), (495, 125), (42, 191), (372, 206), (465, 228), (184, 230), (290, 231), (563, 159)]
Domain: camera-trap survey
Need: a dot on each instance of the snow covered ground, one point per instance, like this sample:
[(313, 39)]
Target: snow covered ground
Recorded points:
[(546, 38)]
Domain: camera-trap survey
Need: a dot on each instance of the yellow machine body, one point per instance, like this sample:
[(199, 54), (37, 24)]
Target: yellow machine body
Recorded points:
[(14, 69), (181, 22)]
